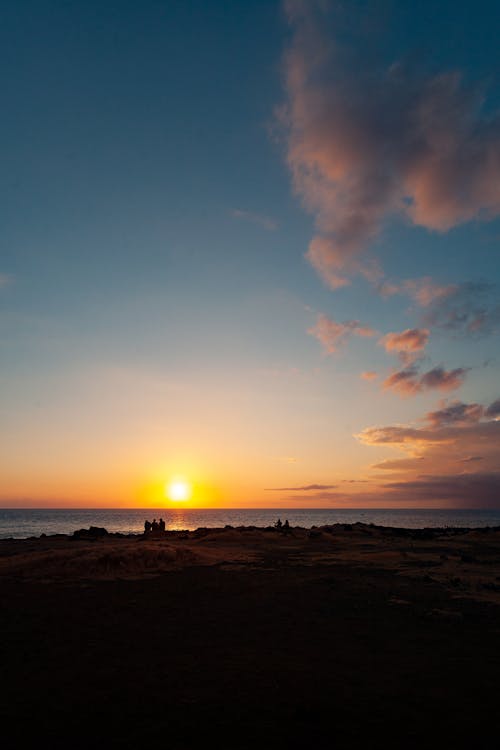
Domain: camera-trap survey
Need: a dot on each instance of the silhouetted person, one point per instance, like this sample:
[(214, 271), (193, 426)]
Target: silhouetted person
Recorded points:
[(286, 527), (278, 524), (161, 524), (154, 525), (147, 527)]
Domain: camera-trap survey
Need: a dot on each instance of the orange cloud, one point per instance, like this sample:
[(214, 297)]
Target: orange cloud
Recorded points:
[(332, 334), (459, 432), (408, 344), (304, 488), (453, 441), (369, 375)]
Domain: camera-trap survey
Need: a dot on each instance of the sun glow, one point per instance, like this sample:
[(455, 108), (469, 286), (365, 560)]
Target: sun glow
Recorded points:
[(178, 490)]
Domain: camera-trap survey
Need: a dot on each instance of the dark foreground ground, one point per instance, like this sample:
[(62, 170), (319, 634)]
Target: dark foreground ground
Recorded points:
[(289, 649)]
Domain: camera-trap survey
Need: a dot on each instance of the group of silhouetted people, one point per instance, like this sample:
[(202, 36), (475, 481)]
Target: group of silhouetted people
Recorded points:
[(154, 525), (284, 527)]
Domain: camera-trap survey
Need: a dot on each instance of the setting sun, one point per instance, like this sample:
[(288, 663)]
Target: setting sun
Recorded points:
[(178, 489)]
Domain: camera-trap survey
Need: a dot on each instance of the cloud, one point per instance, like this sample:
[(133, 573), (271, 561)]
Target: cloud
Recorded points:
[(332, 334), (264, 221), (365, 143), (457, 433), (407, 344), (493, 410), (465, 490), (443, 380), (322, 497), (455, 413), (409, 381), (470, 308), (461, 424), (402, 436), (404, 382), (5, 280), (369, 375), (424, 291), (398, 464), (305, 488)]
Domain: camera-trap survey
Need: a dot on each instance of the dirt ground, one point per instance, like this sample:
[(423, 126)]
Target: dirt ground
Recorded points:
[(336, 637)]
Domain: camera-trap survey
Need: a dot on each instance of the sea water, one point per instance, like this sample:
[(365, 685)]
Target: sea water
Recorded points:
[(21, 523)]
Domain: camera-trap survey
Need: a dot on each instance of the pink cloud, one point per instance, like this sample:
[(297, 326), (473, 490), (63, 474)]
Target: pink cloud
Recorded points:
[(408, 344), (332, 334), (463, 490), (443, 380), (424, 291), (408, 381), (367, 144), (458, 433), (369, 375), (456, 413), (458, 423), (405, 382)]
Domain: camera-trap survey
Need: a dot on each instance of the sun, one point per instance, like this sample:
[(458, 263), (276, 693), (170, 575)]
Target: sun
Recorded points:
[(178, 490)]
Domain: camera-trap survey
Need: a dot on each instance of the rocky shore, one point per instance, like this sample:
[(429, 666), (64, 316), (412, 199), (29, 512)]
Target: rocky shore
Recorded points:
[(249, 637)]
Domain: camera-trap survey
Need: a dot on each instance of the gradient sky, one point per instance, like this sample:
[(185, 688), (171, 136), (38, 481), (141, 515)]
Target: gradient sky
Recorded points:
[(251, 244)]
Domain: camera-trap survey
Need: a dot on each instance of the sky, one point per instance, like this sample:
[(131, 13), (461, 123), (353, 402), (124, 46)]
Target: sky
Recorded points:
[(253, 247)]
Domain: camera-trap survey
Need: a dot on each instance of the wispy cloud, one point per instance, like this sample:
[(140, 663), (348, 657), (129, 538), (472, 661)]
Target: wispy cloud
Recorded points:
[(332, 335), (266, 222), (5, 280), (303, 488), (368, 143), (424, 291), (470, 308), (369, 375)]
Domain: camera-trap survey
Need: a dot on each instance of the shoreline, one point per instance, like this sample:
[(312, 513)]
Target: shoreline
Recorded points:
[(463, 561)]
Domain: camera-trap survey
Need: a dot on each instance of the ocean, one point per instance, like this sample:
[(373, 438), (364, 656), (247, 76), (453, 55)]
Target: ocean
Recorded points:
[(22, 523)]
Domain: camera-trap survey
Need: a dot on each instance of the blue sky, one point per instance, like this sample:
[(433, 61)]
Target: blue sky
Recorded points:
[(163, 186)]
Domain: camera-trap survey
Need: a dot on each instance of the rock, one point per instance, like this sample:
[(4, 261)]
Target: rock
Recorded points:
[(93, 532)]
